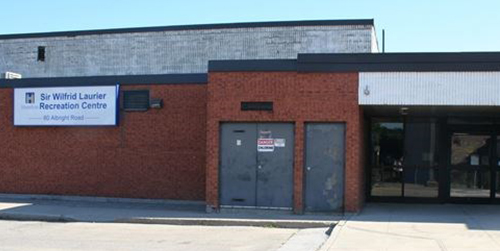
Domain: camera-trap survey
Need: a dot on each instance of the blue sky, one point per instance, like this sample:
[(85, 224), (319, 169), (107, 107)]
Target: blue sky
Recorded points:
[(411, 26)]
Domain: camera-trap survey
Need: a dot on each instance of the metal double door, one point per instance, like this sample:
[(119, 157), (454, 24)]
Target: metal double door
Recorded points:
[(256, 165)]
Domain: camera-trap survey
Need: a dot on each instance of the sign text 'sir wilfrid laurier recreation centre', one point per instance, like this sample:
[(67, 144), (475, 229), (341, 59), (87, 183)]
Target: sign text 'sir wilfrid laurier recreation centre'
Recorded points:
[(63, 106)]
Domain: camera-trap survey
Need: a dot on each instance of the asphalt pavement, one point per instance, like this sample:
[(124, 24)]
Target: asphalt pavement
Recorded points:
[(77, 236)]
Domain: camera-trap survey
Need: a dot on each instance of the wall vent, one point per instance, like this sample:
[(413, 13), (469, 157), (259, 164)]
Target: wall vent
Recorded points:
[(136, 100), (256, 106)]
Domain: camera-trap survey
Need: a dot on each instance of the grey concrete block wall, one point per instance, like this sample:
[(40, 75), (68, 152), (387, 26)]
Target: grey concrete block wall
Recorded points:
[(180, 51)]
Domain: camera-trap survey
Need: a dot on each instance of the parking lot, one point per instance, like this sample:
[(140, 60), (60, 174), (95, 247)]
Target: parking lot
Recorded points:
[(38, 236)]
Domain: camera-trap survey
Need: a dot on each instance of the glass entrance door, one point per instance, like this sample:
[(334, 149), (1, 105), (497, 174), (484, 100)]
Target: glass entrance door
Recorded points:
[(405, 161), (472, 165)]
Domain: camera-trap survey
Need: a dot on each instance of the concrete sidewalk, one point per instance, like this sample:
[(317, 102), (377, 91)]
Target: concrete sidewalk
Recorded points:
[(14, 207), (379, 227), (419, 227)]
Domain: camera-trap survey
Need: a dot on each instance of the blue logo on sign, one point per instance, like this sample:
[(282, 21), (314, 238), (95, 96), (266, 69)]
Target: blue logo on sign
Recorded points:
[(30, 98)]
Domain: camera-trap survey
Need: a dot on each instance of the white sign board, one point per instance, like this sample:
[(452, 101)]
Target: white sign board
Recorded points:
[(66, 106), (265, 145)]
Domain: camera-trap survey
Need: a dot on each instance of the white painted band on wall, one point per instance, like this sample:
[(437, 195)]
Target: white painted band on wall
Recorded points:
[(429, 88)]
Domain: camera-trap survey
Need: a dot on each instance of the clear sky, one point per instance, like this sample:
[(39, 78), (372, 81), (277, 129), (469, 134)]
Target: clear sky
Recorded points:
[(411, 25)]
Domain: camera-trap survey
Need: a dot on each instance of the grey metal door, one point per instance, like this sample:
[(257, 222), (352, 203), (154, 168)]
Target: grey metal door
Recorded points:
[(238, 161), (324, 166), (256, 164), (275, 168)]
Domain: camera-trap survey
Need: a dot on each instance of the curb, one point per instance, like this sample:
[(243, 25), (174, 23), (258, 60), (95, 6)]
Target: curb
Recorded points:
[(229, 222), (30, 217), (328, 244), (176, 221)]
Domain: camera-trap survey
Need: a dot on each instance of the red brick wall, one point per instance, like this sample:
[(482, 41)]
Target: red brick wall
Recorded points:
[(155, 154), (299, 98)]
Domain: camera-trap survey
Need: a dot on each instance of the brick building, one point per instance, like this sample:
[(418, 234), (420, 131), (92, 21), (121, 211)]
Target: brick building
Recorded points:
[(299, 116)]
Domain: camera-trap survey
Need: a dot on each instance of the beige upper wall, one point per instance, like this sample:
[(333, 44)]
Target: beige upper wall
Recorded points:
[(180, 51)]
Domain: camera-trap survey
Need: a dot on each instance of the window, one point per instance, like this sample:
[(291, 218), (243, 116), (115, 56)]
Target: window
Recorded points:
[(136, 100), (41, 53)]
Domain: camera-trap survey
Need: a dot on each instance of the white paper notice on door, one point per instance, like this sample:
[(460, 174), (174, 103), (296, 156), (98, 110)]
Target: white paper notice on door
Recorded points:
[(474, 160), (279, 142)]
